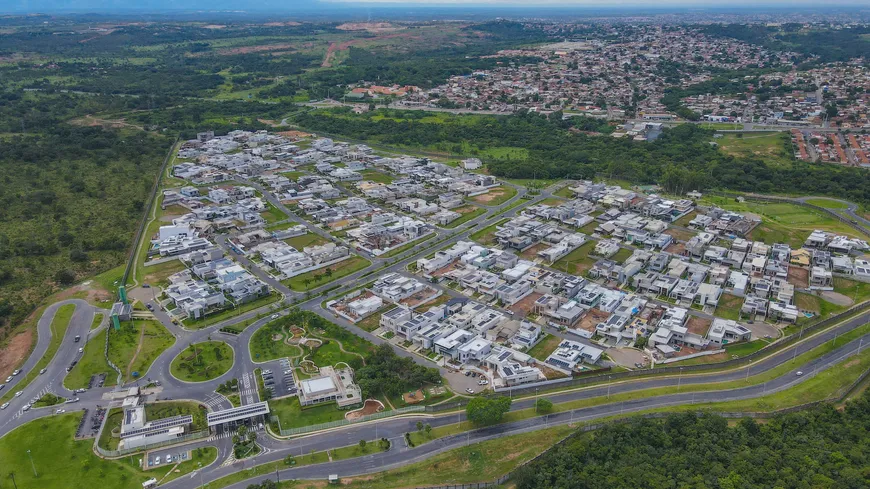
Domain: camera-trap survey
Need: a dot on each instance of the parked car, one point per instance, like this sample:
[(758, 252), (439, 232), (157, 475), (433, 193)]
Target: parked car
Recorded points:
[(9, 379), (41, 371), (81, 350), (469, 390), (16, 372), (18, 394)]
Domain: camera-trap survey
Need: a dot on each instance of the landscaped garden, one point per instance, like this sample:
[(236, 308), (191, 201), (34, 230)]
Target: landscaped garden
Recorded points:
[(201, 362)]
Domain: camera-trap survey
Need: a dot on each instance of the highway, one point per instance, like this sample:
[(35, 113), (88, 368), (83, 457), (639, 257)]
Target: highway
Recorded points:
[(390, 428)]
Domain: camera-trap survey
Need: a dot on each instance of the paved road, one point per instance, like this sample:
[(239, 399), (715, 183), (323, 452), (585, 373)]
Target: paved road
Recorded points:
[(391, 428)]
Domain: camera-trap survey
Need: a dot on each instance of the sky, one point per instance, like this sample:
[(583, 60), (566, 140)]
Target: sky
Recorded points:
[(156, 6)]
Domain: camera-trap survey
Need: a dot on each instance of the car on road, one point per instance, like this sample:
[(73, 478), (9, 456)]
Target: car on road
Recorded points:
[(2, 386), (9, 379), (26, 407), (60, 411), (81, 350), (81, 390), (275, 316), (18, 394), (150, 307), (799, 373), (16, 372), (74, 399), (5, 405), (41, 371), (78, 338)]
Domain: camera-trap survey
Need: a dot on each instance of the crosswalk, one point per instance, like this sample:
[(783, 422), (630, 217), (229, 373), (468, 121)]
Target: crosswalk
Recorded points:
[(45, 390), (217, 402), (248, 393)]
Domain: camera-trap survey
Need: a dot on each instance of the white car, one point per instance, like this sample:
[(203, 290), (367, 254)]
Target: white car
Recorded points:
[(799, 373), (26, 407), (18, 394), (275, 316), (16, 372), (157, 461), (5, 405), (41, 371), (469, 390), (60, 411), (483, 382), (81, 350), (8, 379)]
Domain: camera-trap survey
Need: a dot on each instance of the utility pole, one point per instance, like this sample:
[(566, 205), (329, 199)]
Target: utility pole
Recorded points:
[(12, 475)]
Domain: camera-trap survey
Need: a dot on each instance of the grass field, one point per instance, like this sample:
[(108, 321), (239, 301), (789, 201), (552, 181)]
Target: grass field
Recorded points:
[(828, 203), (339, 270), (292, 415), (330, 354), (307, 239), (784, 222), (495, 196), (202, 361), (272, 214), (767, 146), (133, 348), (263, 348), (376, 176), (578, 261), (545, 347), (857, 291), (59, 324), (729, 307), (468, 213), (92, 362), (408, 246)]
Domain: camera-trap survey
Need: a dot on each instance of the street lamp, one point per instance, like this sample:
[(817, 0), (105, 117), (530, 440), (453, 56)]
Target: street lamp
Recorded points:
[(31, 464)]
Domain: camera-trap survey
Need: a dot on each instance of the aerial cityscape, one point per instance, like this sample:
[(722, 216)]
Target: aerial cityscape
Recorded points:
[(400, 245)]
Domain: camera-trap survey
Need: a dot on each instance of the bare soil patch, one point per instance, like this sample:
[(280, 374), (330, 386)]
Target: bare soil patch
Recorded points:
[(799, 277), (256, 49), (369, 26), (371, 406), (489, 196), (591, 319), (413, 397), (15, 351), (525, 305), (335, 47), (698, 325)]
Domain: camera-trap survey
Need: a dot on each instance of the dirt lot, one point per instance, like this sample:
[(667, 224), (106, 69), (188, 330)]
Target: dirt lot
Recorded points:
[(676, 248), (421, 297), (343, 46), (525, 305), (370, 407), (413, 397), (698, 325), (489, 196), (591, 319), (799, 277), (680, 234), (15, 352), (627, 357), (532, 251)]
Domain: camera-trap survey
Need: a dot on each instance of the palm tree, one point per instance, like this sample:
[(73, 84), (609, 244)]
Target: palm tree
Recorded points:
[(328, 272), (307, 282)]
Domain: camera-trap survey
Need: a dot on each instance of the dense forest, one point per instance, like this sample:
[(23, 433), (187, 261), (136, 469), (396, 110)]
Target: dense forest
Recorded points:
[(819, 448), (70, 199), (682, 159)]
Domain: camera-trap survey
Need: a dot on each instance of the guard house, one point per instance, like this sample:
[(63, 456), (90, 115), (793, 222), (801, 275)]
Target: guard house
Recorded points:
[(137, 432), (330, 385), (230, 418)]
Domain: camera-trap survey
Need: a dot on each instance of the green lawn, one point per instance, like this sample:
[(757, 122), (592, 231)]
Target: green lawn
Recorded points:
[(784, 222), (272, 214), (98, 318), (578, 262), (564, 192), (124, 343), (153, 411), (353, 451), (154, 342), (292, 415), (62, 462), (746, 347), (828, 203), (729, 307), (857, 291), (293, 175), (159, 273), (307, 239), (621, 255), (203, 361), (59, 324), (339, 270), (767, 146), (231, 311), (329, 354), (92, 362), (468, 213), (815, 304), (372, 322), (376, 176), (495, 196), (545, 347), (264, 348)]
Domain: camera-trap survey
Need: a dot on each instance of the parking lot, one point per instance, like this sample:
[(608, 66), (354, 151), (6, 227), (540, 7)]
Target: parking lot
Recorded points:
[(169, 456), (459, 382), (90, 423), (278, 379)]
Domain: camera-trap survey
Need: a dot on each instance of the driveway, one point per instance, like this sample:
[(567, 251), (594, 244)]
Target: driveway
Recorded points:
[(627, 357), (762, 330)]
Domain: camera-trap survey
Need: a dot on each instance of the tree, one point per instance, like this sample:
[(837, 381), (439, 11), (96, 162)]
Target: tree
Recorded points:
[(487, 410), (641, 342), (544, 405), (362, 444), (307, 282), (328, 272), (428, 429), (419, 426)]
